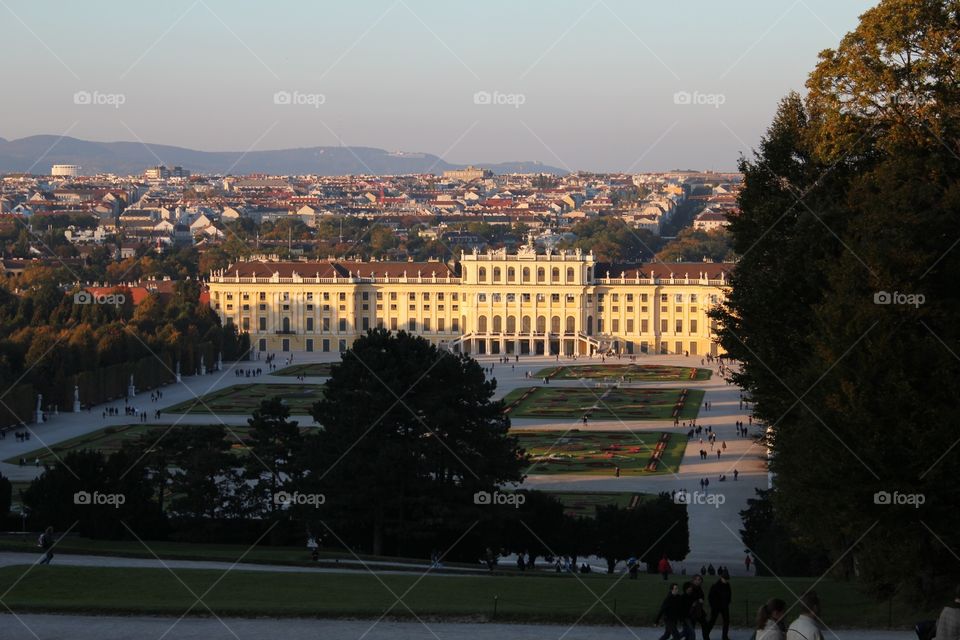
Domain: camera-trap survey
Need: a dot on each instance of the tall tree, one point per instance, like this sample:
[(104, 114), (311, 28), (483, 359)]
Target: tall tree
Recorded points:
[(274, 443), (409, 434), (850, 205)]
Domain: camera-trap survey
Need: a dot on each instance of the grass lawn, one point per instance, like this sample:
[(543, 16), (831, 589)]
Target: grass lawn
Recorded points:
[(546, 597), (598, 452), (110, 439), (603, 404), (317, 369), (170, 550), (629, 372), (244, 398), (584, 503)]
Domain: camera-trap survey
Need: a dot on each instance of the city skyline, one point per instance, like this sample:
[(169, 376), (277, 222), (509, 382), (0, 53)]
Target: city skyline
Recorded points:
[(601, 86)]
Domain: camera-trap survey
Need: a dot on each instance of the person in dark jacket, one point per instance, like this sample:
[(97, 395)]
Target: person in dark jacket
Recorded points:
[(672, 612), (719, 598), (693, 606)]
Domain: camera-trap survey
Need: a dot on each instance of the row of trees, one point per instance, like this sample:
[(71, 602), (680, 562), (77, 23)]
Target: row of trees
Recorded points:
[(843, 305), (410, 438), (51, 342)]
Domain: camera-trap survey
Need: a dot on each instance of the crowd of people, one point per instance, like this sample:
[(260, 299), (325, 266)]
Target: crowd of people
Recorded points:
[(687, 608)]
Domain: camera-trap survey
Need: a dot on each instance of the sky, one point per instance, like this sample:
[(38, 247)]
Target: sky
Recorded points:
[(602, 85)]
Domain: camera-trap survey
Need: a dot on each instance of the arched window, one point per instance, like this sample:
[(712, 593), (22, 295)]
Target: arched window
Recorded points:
[(570, 277), (589, 274), (496, 274), (497, 324), (511, 324), (511, 274), (525, 324), (541, 324), (482, 324), (555, 274), (555, 324), (571, 324), (286, 325), (589, 325), (541, 274), (526, 274), (482, 274)]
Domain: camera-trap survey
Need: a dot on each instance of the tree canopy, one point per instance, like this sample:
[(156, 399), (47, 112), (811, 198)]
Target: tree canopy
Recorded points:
[(843, 305)]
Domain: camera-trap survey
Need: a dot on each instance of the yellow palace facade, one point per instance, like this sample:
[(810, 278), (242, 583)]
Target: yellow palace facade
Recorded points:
[(493, 303)]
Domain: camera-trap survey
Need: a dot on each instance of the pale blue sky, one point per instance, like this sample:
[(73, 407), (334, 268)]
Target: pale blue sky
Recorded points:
[(597, 78)]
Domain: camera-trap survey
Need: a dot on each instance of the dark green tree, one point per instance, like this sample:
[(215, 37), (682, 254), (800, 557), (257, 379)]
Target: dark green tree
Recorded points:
[(409, 434), (6, 495), (272, 458), (847, 208)]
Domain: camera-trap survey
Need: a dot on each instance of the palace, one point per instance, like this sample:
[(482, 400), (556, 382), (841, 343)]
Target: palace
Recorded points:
[(486, 304)]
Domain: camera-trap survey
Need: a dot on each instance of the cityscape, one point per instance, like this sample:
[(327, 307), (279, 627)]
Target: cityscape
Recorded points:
[(585, 320)]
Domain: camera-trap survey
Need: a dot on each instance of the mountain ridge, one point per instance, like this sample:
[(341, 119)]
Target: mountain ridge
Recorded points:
[(37, 153)]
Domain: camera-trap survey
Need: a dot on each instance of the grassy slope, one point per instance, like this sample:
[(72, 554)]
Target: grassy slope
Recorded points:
[(541, 598)]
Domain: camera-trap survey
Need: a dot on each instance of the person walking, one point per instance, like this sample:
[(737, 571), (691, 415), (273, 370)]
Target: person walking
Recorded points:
[(46, 543), (672, 613), (948, 624), (769, 625), (693, 608), (807, 624), (719, 598), (663, 567)]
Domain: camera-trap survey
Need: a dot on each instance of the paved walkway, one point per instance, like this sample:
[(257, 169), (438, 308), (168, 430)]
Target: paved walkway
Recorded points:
[(72, 627), (11, 558), (714, 527)]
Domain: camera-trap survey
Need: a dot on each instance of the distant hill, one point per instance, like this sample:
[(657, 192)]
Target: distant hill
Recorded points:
[(124, 158)]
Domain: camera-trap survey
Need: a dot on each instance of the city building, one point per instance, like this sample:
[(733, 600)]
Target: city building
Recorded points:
[(493, 303), (65, 170), (468, 174), (161, 172)]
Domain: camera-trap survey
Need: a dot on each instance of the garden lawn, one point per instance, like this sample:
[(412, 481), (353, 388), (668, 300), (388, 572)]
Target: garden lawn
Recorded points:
[(598, 452), (111, 439), (543, 598), (244, 398), (603, 403), (628, 372), (584, 503), (314, 369)]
